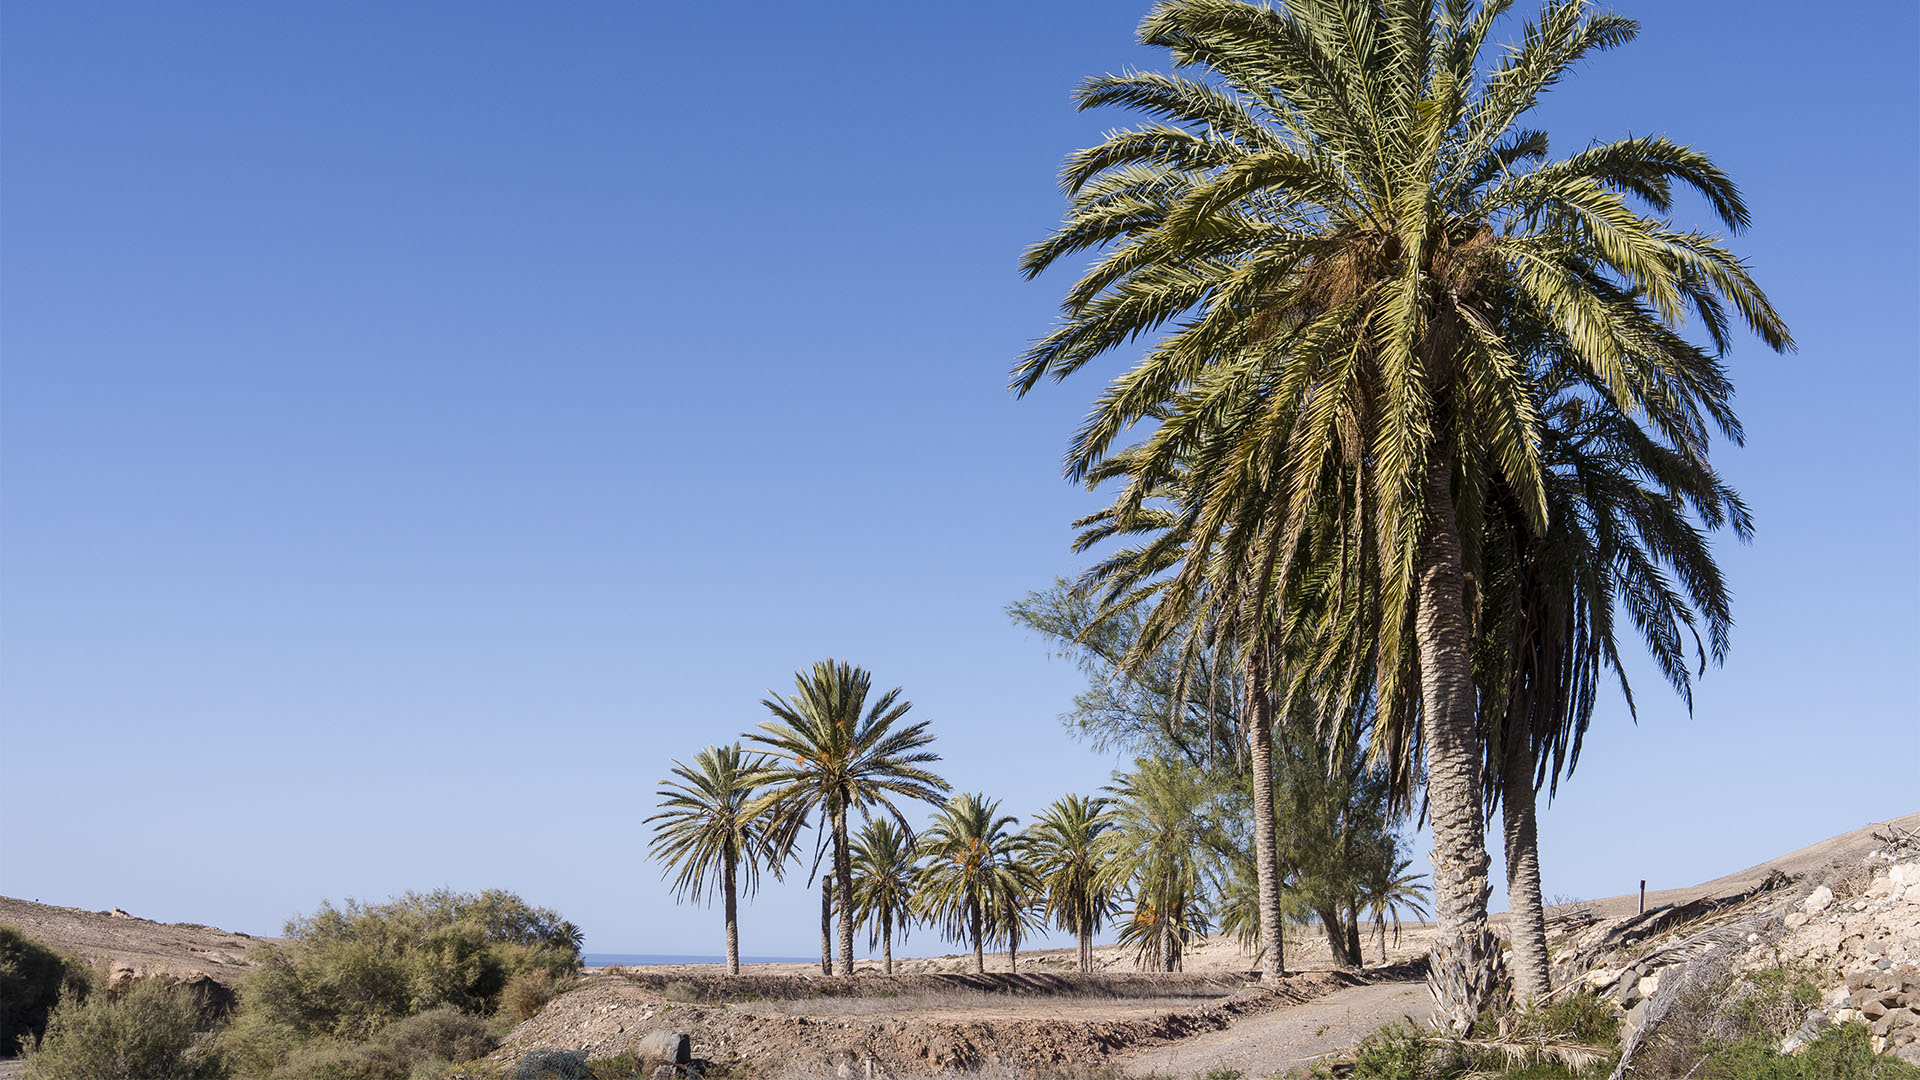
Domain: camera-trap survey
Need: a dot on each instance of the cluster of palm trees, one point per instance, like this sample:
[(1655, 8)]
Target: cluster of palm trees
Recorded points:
[(1159, 848), (1417, 419), (827, 757)]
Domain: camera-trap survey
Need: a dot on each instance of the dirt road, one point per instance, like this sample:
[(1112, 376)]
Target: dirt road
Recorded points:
[(1290, 1038)]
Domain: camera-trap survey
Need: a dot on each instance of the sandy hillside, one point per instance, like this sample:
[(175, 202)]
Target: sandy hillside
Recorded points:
[(128, 945)]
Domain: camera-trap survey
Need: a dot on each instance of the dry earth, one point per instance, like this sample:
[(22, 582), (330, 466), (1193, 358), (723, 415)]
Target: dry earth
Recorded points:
[(134, 946)]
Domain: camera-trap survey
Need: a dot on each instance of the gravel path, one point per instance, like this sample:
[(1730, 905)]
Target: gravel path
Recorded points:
[(1279, 1041)]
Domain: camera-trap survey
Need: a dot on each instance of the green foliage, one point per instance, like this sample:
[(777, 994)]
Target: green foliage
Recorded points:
[(708, 826), (150, 1029), (426, 1044), (1067, 854), (1840, 1053), (350, 971), (972, 867), (1161, 852), (883, 872), (527, 992), (33, 979), (551, 1065)]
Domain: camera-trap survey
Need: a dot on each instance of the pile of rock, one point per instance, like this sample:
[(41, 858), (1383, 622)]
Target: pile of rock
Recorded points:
[(1864, 941)]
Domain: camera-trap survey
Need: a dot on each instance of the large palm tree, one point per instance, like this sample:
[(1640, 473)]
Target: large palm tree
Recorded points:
[(827, 755), (1627, 526), (1327, 239), (1064, 842), (713, 830), (883, 871), (970, 851), (1158, 854)]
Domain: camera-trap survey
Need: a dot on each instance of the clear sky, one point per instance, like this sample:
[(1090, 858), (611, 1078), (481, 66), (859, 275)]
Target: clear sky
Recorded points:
[(422, 422)]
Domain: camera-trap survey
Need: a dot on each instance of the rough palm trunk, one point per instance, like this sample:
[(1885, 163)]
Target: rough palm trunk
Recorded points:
[(826, 924), (1266, 848), (1527, 918), (843, 882), (1013, 955), (1086, 949), (1380, 928), (886, 942), (1464, 970), (1166, 939), (979, 949), (729, 858)]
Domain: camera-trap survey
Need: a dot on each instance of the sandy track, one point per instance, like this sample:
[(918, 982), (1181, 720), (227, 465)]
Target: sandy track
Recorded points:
[(1290, 1038)]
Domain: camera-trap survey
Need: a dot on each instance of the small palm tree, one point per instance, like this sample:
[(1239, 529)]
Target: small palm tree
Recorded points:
[(1065, 845), (970, 851), (843, 763), (1158, 852), (883, 869), (1388, 890), (711, 829)]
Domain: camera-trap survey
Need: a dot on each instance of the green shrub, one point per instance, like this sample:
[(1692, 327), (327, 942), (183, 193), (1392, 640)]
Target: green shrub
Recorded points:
[(347, 972), (551, 1065), (529, 991), (1840, 1053), (149, 1029), (32, 980), (423, 1045)]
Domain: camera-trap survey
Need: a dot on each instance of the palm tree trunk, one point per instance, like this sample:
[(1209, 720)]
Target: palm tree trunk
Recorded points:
[(1526, 918), (733, 912), (1086, 949), (843, 882), (886, 941), (1266, 848), (1464, 969), (826, 924), (1380, 927), (1166, 938), (1013, 953), (979, 952)]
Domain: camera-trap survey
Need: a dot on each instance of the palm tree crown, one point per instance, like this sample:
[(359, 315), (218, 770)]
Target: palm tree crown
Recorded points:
[(883, 870), (1064, 842), (828, 755), (970, 851), (1331, 237), (711, 829)]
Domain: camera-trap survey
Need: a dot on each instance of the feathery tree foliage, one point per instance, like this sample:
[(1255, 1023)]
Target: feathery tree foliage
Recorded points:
[(1064, 845), (1017, 905), (827, 755), (971, 864), (1327, 235), (883, 871), (1161, 855), (712, 832)]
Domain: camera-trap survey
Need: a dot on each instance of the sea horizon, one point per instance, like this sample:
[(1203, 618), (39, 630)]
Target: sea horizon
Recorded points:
[(651, 959)]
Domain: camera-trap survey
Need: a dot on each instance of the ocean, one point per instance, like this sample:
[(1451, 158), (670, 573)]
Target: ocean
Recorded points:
[(610, 959)]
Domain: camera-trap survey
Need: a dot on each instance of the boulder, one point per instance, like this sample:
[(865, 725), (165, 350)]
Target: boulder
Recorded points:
[(664, 1047), (1821, 899)]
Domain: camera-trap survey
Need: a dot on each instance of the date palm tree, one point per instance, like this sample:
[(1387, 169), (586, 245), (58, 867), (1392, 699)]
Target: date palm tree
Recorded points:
[(970, 851), (713, 830), (1629, 524), (827, 755), (1157, 854), (1387, 890), (1324, 238), (1064, 842), (883, 871), (1015, 910)]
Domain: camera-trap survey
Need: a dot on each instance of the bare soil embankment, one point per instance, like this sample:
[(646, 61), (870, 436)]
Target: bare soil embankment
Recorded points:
[(130, 946)]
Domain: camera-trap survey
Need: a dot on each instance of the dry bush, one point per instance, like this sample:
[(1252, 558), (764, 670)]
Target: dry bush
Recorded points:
[(529, 991)]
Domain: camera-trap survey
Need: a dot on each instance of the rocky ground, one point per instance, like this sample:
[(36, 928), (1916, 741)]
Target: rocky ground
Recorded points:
[(916, 1026), (126, 946)]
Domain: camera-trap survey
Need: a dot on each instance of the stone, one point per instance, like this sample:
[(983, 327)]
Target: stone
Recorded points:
[(1906, 873), (1821, 899), (1809, 1030), (1649, 985), (664, 1047), (1846, 1016), (1796, 920)]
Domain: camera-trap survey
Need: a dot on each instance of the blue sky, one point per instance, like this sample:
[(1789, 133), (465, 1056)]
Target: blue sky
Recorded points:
[(422, 422)]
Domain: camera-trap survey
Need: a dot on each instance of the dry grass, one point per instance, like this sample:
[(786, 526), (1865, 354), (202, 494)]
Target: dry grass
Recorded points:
[(956, 1001)]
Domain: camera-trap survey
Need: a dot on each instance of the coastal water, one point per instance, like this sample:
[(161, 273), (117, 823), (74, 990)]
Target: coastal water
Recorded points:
[(608, 959)]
